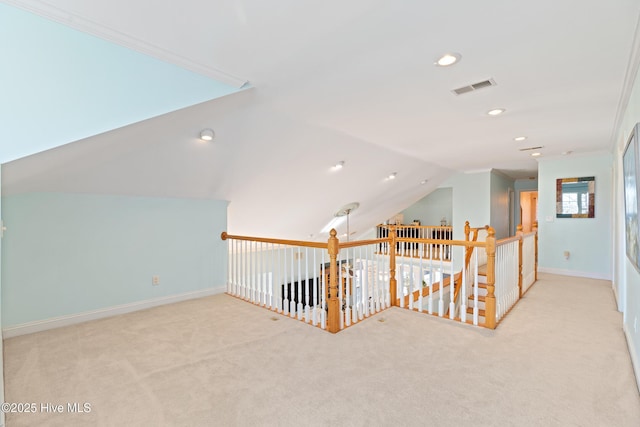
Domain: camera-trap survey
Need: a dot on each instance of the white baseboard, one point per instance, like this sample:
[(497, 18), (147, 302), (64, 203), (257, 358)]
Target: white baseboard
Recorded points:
[(634, 356), (72, 319), (563, 272)]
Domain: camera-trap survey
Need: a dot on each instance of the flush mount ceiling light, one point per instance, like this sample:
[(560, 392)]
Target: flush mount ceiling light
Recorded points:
[(207, 135), (496, 111), (447, 59), (339, 165), (393, 175), (519, 138), (536, 154)]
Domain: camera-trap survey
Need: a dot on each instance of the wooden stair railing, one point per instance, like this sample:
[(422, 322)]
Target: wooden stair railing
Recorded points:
[(467, 259)]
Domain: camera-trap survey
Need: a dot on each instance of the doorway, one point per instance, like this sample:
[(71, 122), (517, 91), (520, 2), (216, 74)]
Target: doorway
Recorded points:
[(528, 209)]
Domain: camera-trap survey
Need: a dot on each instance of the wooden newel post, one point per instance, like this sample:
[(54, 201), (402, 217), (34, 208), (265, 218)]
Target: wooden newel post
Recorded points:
[(490, 298), (393, 284), (535, 227), (520, 242), (467, 230), (333, 303)]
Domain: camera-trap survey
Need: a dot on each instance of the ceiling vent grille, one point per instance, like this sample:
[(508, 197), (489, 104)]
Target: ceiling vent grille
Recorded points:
[(531, 148), (474, 86)]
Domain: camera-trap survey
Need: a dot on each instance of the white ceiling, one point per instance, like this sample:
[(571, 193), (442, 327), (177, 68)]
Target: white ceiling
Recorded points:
[(351, 81)]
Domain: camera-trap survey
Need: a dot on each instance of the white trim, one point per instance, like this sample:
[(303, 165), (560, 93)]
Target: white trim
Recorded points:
[(635, 363), (563, 272), (80, 23), (72, 319)]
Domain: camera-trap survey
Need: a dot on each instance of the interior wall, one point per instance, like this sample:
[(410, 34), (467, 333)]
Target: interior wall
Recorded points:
[(471, 200), (626, 283), (521, 185), (66, 254), (501, 185), (76, 85), (432, 208), (588, 240)]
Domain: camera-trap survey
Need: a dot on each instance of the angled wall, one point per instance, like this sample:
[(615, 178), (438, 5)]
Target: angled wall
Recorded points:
[(61, 85), (66, 255)]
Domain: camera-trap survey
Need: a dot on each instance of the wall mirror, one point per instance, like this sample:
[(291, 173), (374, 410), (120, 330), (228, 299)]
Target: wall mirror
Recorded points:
[(575, 197)]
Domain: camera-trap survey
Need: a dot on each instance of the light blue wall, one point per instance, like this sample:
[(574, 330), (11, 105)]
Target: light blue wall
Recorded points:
[(471, 198), (60, 85), (587, 239), (501, 186), (432, 208), (626, 278), (70, 253)]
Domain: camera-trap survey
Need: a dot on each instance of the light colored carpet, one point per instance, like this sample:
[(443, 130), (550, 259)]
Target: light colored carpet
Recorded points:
[(558, 359)]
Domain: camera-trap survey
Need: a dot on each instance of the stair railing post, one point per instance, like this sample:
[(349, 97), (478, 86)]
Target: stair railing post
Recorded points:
[(467, 230), (393, 284), (535, 228), (520, 243), (490, 298), (333, 303)]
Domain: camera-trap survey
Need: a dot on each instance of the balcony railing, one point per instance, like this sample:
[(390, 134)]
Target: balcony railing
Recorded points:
[(334, 285)]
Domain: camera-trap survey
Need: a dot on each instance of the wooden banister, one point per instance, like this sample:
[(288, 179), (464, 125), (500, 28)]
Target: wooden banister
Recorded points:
[(520, 234), (393, 283), (319, 245), (333, 304), (490, 299)]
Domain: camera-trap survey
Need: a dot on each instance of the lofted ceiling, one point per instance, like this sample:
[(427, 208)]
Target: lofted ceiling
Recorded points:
[(345, 81)]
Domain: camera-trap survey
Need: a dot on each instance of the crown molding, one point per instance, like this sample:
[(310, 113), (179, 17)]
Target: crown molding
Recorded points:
[(80, 23), (629, 80)]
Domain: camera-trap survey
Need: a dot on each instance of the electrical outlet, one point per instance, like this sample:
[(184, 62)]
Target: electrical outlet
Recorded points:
[(155, 280)]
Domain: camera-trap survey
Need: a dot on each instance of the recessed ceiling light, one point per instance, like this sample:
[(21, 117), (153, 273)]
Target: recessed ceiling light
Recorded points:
[(565, 153), (339, 165), (393, 175), (519, 138), (448, 59), (424, 181), (496, 111), (536, 154), (207, 135)]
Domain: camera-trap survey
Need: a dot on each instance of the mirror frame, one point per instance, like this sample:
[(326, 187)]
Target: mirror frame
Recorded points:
[(592, 197)]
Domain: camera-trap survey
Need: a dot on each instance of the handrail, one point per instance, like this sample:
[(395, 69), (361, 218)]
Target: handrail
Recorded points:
[(319, 245), (467, 243), (507, 240), (355, 243)]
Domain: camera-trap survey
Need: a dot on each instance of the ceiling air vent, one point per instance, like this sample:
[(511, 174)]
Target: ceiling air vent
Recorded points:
[(474, 86), (531, 148)]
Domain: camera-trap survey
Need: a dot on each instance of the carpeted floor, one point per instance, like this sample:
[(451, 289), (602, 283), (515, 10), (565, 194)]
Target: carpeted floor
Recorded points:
[(558, 359)]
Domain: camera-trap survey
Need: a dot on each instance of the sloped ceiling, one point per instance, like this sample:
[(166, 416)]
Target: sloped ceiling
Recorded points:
[(351, 81)]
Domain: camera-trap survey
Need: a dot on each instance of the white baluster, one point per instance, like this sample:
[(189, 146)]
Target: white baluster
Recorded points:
[(421, 280), (475, 289), (292, 309), (323, 311), (286, 286), (245, 271), (411, 282), (441, 292), (314, 319), (307, 285), (430, 300), (341, 290), (354, 290), (452, 304)]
